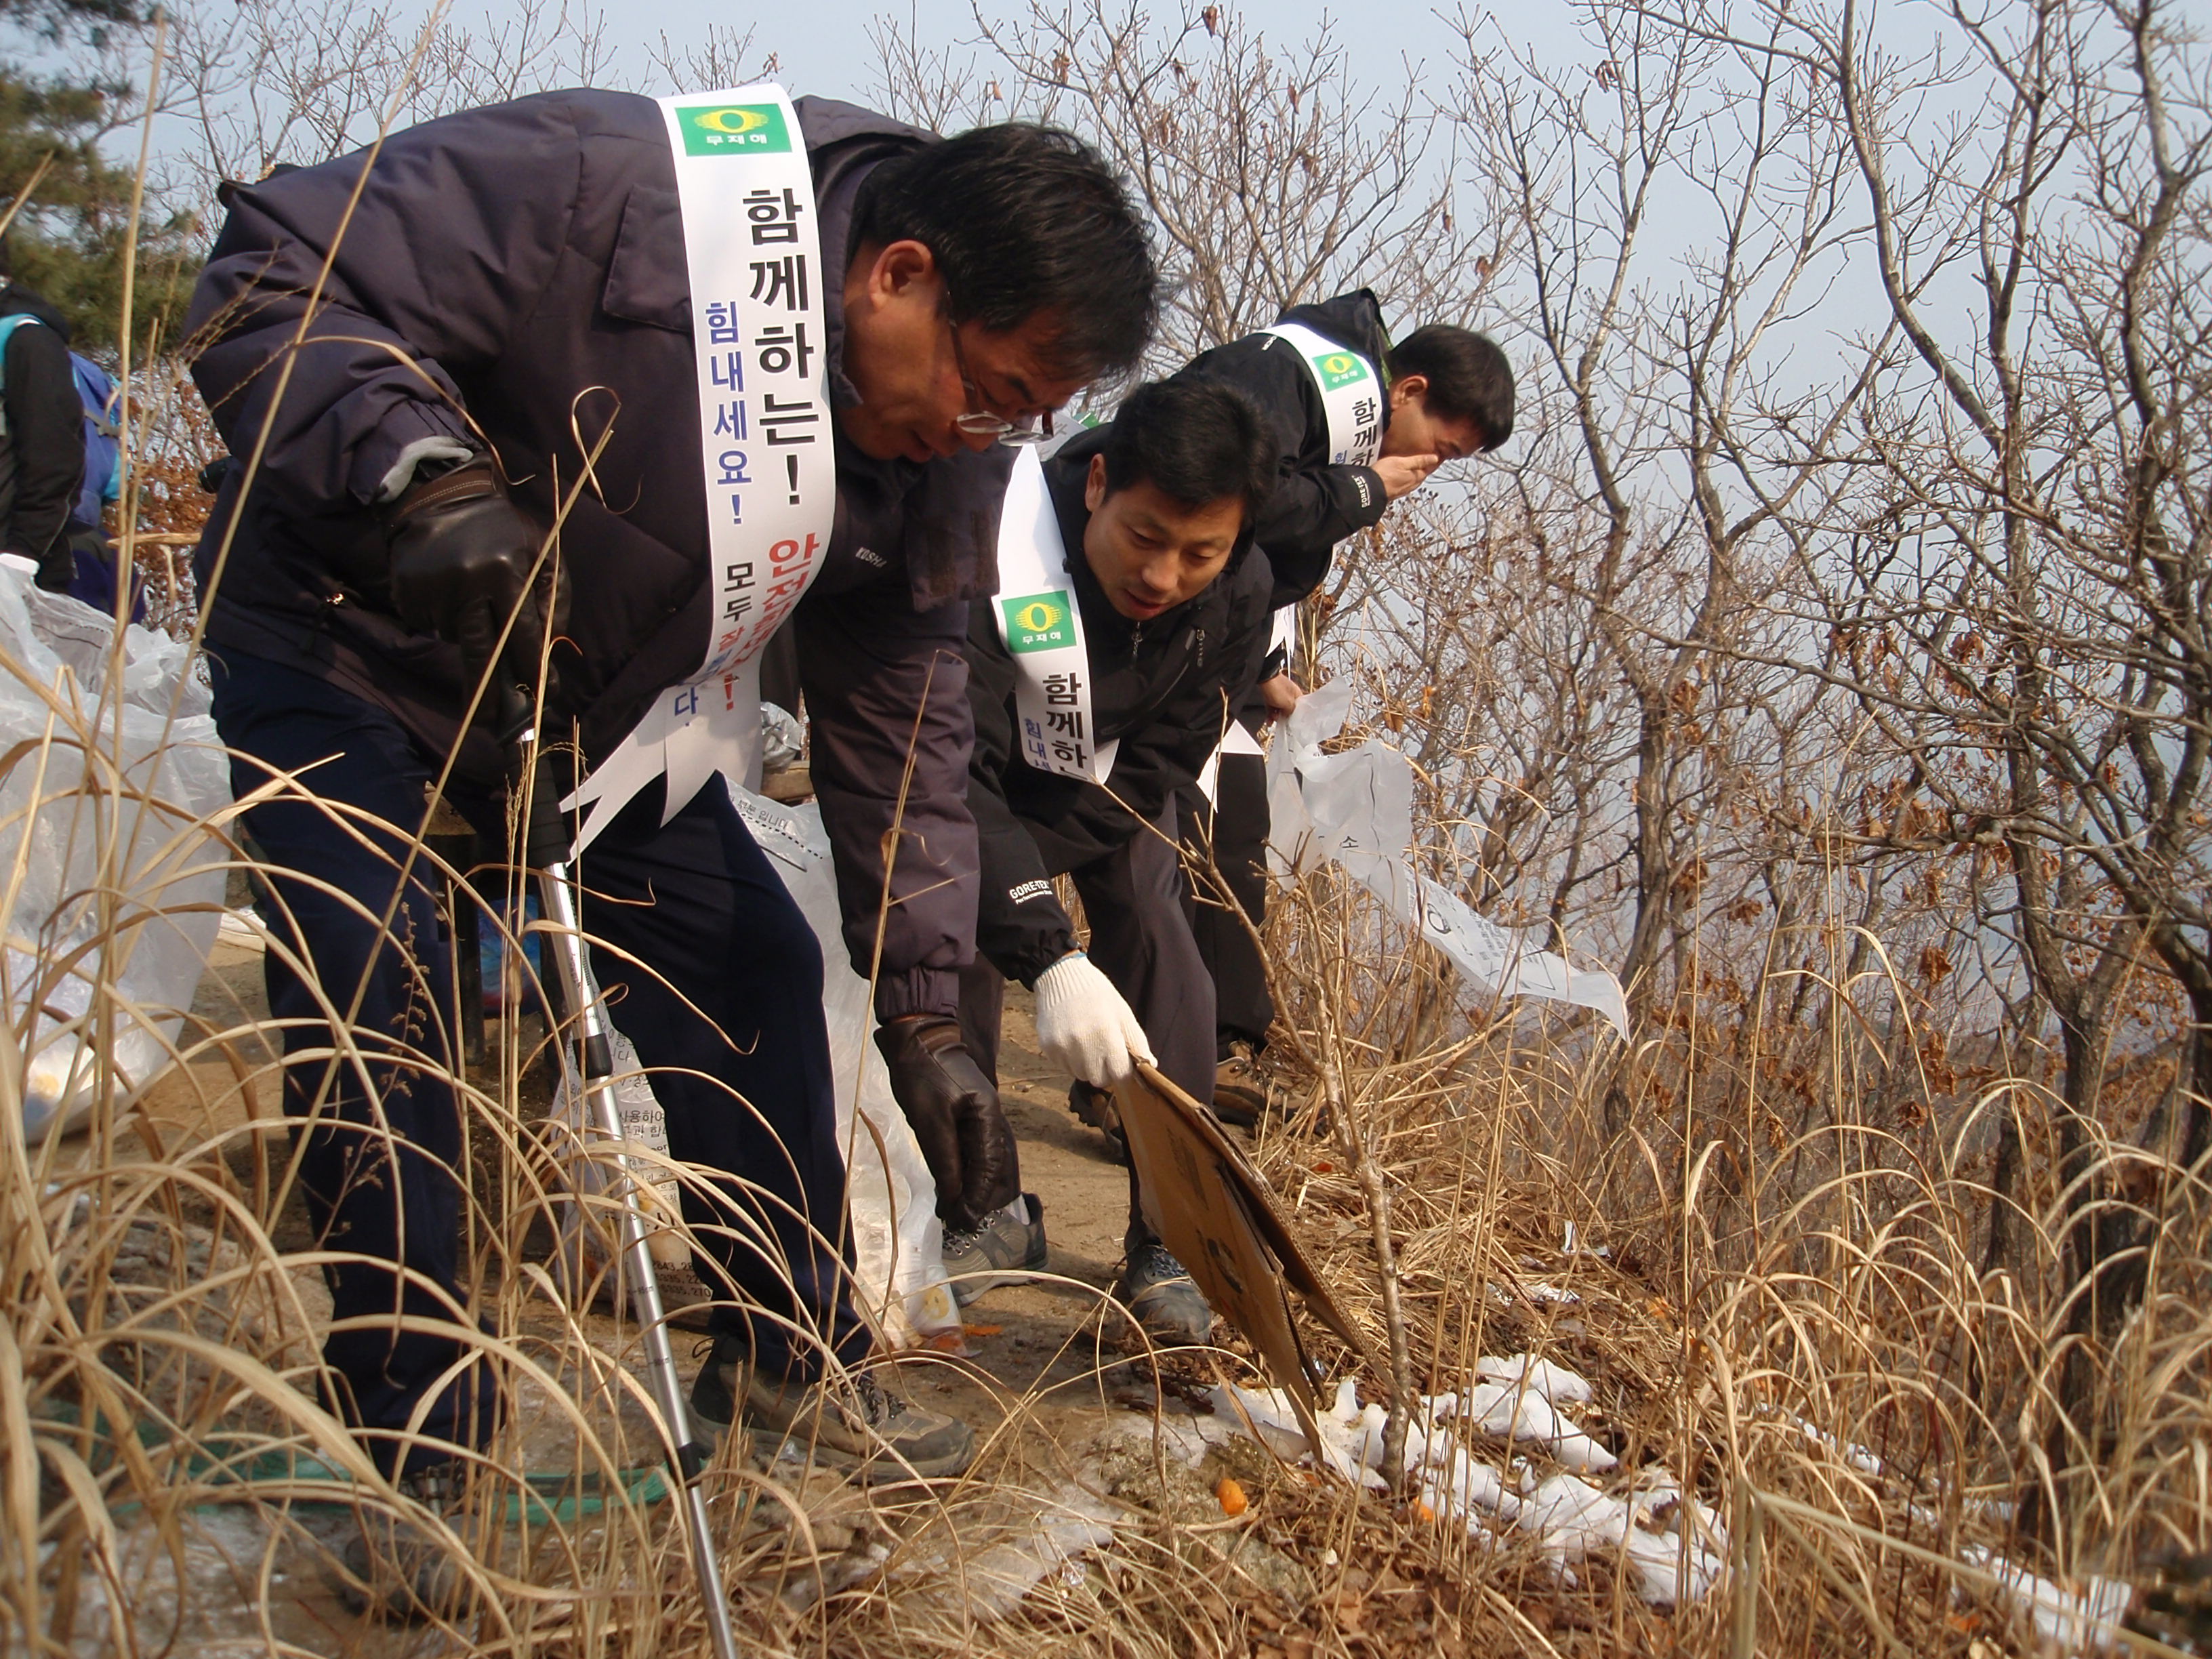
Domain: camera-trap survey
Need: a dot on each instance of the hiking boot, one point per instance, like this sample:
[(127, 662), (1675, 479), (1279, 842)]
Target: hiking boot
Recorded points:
[(1095, 1107), (1240, 1095), (848, 1423), (400, 1568), (999, 1252), (1163, 1299)]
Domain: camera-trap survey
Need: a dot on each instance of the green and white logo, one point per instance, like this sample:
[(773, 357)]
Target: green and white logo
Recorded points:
[(1339, 368), (1037, 622), (733, 128)]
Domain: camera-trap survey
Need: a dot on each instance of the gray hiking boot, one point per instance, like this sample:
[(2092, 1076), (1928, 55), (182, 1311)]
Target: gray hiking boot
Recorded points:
[(1165, 1300), (849, 1422), (400, 1568), (998, 1253)]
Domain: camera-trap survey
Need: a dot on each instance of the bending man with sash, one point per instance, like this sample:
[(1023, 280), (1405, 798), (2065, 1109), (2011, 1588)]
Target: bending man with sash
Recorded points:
[(1356, 423), (801, 331), (1131, 602)]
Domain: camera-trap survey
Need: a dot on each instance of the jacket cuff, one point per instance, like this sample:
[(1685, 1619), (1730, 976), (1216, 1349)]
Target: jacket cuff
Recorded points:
[(1374, 500), (917, 991), (393, 449), (1048, 949)]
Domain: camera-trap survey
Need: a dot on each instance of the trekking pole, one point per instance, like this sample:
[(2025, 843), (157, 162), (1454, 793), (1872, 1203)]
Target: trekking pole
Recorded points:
[(557, 900)]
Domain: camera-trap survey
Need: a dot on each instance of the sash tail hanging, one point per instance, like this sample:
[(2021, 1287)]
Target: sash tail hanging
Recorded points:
[(1042, 628), (753, 253)]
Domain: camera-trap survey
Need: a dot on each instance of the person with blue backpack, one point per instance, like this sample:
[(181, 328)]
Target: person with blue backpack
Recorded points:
[(42, 450)]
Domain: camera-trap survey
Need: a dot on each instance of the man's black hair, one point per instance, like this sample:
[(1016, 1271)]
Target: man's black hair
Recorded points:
[(1468, 377), (1024, 219), (1196, 441)]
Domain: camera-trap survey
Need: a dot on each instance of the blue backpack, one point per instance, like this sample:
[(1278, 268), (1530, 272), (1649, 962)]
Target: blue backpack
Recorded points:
[(103, 438)]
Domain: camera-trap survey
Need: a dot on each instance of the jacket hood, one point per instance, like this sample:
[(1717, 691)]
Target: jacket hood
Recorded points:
[(1353, 319), (14, 299)]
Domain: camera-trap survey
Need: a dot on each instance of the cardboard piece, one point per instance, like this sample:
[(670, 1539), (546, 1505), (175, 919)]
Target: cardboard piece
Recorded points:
[(1216, 1214)]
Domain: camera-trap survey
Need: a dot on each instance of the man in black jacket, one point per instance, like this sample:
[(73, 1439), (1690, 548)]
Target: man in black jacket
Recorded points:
[(1150, 527), (417, 369), (42, 436), (1356, 423)]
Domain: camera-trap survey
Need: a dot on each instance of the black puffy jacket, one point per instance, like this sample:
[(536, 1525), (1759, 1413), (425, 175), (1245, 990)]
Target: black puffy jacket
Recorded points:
[(1158, 686), (525, 264), (42, 437), (1315, 505)]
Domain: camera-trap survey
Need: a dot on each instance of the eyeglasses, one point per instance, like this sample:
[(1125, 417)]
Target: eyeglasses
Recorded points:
[(980, 422)]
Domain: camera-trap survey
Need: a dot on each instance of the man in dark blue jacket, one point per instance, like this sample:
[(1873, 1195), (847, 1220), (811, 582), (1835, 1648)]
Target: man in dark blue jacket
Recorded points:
[(1080, 756), (415, 370), (1356, 423)]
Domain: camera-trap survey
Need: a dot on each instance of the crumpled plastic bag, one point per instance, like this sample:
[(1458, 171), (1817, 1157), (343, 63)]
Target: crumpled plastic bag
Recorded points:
[(112, 883), (898, 1244)]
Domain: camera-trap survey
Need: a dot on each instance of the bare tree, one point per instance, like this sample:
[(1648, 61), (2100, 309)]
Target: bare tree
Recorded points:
[(1274, 177), (268, 82), (2024, 605), (1681, 209)]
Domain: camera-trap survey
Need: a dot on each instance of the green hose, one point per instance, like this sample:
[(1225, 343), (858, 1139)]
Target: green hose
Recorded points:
[(544, 1500)]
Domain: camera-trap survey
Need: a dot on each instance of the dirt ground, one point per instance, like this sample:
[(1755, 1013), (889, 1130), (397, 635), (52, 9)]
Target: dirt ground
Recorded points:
[(252, 1578)]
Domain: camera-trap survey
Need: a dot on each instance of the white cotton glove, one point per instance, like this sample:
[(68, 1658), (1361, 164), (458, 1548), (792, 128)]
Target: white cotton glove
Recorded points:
[(1084, 1026)]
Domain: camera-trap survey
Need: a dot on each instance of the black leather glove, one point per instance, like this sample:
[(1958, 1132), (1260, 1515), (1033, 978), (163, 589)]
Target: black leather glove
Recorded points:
[(955, 1115), (461, 557)]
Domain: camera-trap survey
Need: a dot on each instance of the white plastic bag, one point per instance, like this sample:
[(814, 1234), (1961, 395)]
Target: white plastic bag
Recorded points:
[(1357, 807), (898, 1246), (113, 887)]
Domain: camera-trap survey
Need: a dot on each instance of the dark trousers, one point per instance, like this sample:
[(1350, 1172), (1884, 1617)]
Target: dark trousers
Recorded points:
[(1236, 830), (1140, 939), (382, 1146)]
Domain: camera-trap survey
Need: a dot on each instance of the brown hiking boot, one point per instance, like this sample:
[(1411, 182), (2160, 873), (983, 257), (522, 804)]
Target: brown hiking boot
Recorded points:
[(1240, 1094), (849, 1422), (1095, 1107)]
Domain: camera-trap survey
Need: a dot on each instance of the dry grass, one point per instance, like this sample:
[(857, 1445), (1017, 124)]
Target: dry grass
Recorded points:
[(1745, 1327)]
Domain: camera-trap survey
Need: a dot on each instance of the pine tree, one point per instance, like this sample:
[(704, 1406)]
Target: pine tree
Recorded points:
[(67, 240)]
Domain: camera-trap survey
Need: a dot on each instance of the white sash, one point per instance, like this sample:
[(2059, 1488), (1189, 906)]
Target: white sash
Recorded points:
[(1042, 628), (1352, 398), (754, 255), (1350, 391)]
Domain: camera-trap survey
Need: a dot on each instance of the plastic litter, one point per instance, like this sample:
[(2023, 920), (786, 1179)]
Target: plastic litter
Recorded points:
[(1518, 1398), (1356, 808), (898, 1243), (2065, 1621), (120, 889), (981, 1565), (586, 1252)]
